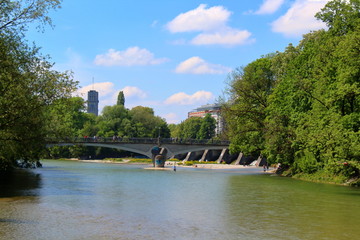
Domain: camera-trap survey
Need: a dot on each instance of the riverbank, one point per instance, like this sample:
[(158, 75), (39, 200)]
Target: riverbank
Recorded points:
[(171, 163), (340, 174), (322, 177), (114, 161)]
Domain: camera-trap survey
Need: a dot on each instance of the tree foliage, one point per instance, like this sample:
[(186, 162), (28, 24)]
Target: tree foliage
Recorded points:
[(67, 117), (195, 128), (340, 16), (121, 99), (16, 15), (28, 84), (301, 107), (207, 128), (245, 114)]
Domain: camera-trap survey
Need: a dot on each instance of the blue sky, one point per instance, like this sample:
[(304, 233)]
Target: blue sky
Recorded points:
[(170, 55)]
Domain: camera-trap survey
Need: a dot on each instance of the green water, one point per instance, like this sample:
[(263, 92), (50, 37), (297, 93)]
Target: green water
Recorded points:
[(76, 200)]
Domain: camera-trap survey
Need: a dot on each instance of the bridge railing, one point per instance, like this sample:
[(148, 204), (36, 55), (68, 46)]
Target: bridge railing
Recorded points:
[(137, 140), (194, 141)]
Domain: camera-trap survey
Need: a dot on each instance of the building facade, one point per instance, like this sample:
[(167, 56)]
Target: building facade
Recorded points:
[(93, 102), (214, 110)]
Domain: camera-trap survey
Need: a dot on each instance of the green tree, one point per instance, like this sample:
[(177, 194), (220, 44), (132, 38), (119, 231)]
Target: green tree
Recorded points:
[(207, 128), (147, 124), (111, 121), (245, 112), (121, 99), (15, 15), (341, 16), (176, 130), (28, 85), (190, 128), (66, 117), (285, 100), (313, 114)]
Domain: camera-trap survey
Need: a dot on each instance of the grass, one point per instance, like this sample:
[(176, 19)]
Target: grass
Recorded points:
[(323, 176), (190, 163), (129, 160)]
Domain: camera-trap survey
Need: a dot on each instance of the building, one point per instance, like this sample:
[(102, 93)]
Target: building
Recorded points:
[(214, 110), (93, 102)]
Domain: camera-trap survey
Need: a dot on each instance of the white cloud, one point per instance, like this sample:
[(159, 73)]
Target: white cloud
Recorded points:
[(228, 37), (212, 25), (133, 92), (299, 19), (179, 42), (130, 57), (181, 98), (196, 65), (108, 94), (171, 118), (104, 89), (270, 6), (199, 19)]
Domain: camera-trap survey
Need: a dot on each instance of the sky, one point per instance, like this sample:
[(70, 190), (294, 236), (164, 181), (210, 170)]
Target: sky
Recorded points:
[(170, 55)]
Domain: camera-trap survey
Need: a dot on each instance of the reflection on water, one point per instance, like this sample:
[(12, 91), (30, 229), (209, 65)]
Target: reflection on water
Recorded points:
[(19, 183), (282, 208), (75, 200)]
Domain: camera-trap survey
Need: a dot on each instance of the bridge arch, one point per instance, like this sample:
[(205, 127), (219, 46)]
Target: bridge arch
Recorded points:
[(144, 146), (143, 151)]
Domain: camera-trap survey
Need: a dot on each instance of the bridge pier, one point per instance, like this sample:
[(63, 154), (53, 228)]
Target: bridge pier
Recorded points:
[(237, 162), (221, 157), (187, 157), (158, 156), (203, 158)]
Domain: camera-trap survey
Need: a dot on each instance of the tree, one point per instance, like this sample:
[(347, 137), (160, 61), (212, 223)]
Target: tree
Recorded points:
[(112, 120), (189, 128), (28, 85), (147, 124), (66, 117), (341, 16), (207, 128), (313, 117), (245, 112), (176, 130), (15, 15), (121, 99)]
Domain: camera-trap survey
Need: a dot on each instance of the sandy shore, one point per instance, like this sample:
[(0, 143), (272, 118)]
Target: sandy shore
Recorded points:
[(106, 161), (170, 164), (218, 166)]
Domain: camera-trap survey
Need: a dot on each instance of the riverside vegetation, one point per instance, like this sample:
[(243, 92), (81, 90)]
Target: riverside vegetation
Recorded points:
[(300, 107)]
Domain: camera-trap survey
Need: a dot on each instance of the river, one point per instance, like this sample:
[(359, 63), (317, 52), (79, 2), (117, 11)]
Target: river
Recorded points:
[(78, 200)]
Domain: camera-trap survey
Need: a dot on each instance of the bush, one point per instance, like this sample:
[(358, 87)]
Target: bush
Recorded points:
[(349, 169), (305, 162)]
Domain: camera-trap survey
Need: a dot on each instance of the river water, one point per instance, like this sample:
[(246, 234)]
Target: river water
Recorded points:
[(77, 200)]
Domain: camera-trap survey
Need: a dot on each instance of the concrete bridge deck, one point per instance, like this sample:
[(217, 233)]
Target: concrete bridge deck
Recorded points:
[(144, 146), (171, 146)]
